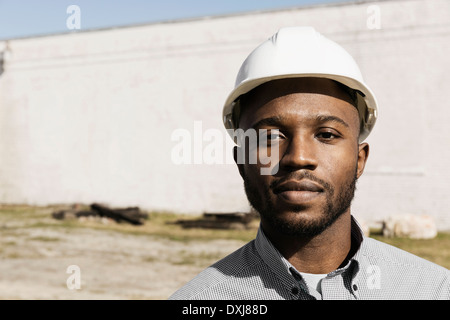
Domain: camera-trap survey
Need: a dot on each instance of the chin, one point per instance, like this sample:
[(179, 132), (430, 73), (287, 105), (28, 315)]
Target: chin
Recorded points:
[(300, 222)]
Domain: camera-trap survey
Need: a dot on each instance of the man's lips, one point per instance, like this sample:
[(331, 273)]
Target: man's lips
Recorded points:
[(302, 185), (298, 192)]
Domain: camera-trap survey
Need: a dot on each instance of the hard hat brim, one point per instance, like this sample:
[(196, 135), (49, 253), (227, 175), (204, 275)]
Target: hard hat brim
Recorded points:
[(367, 105)]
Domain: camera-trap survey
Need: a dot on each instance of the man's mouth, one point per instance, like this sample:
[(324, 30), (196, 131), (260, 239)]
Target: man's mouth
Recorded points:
[(298, 192)]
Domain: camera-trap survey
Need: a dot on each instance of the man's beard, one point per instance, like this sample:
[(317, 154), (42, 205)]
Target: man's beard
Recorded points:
[(330, 212)]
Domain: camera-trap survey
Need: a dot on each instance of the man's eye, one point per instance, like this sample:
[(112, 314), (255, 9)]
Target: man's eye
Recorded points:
[(270, 135), (326, 135), (273, 135)]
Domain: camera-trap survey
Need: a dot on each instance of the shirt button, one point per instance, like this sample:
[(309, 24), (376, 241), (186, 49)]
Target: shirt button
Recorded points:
[(294, 290), (355, 287)]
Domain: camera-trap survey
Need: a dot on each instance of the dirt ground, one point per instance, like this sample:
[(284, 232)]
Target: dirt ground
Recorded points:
[(113, 265), (121, 261)]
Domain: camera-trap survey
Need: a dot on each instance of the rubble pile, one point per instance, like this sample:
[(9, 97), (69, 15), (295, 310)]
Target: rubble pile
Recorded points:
[(131, 215)]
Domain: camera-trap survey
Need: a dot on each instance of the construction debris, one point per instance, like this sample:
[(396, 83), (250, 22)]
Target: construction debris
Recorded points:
[(231, 220), (132, 215), (410, 226)]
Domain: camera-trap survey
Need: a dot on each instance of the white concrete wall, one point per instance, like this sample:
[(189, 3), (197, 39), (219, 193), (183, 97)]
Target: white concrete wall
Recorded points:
[(88, 116)]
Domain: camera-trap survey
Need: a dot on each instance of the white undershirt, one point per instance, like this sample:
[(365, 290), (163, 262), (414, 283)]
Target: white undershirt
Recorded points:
[(313, 280)]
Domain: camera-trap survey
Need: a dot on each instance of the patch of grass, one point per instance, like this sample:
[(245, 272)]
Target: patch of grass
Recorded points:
[(17, 212), (12, 255), (54, 224), (44, 239), (158, 224), (150, 259), (162, 225)]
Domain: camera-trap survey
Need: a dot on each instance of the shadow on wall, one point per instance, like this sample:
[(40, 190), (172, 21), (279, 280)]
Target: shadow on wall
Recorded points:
[(1, 62), (4, 50)]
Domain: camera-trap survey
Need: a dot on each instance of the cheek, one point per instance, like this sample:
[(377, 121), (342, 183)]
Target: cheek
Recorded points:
[(340, 166), (260, 182)]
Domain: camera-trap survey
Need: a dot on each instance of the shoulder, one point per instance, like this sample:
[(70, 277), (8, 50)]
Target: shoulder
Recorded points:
[(413, 276), (389, 254), (217, 281)]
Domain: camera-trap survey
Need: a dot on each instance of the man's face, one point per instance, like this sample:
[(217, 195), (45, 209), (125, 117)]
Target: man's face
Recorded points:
[(315, 127)]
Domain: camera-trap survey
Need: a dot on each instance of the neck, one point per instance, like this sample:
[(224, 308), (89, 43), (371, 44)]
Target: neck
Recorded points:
[(320, 254)]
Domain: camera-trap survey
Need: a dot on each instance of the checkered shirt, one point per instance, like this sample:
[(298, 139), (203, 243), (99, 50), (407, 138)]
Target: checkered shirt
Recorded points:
[(257, 271)]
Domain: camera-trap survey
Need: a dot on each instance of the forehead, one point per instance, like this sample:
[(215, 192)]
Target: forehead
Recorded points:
[(296, 99)]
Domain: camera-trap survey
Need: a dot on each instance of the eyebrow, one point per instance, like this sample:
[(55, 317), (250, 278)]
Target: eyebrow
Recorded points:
[(329, 118), (278, 121), (272, 121)]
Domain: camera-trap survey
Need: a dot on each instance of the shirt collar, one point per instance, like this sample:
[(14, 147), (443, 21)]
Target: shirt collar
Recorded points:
[(274, 259), (285, 270)]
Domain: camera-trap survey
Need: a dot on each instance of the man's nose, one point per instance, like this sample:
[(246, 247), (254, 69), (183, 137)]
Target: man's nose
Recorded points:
[(299, 154)]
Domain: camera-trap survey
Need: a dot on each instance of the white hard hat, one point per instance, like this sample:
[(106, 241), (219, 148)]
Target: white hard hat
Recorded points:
[(302, 52)]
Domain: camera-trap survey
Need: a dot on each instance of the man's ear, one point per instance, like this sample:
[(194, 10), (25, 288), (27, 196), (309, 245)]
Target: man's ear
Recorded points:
[(238, 163), (363, 154)]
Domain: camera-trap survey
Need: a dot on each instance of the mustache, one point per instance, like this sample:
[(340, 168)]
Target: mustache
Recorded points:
[(300, 175)]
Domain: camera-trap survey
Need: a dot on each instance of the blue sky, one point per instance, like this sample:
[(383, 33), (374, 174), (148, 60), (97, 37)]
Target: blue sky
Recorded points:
[(23, 18)]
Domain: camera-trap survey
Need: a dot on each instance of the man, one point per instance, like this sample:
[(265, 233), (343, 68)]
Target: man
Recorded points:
[(305, 97)]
